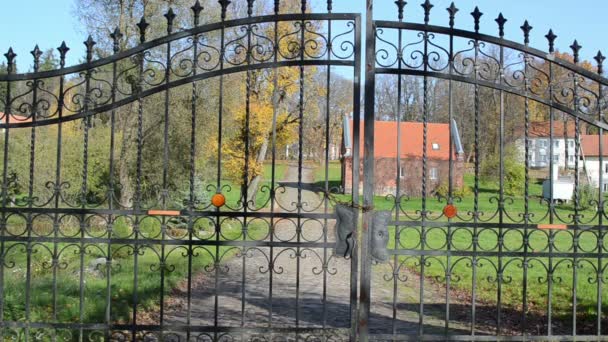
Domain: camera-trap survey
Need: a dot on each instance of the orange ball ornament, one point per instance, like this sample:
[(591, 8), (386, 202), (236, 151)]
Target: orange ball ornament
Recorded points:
[(450, 211), (218, 200)]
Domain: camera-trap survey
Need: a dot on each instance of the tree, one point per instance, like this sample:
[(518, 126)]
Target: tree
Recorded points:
[(514, 171), (100, 17), (253, 137), (49, 61)]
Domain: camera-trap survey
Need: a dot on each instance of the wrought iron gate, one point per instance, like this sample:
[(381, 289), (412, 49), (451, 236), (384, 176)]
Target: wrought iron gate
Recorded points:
[(142, 229), (477, 249), (155, 194)]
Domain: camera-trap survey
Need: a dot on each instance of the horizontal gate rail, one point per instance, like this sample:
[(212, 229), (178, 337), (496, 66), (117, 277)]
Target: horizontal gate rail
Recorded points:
[(15, 211), (168, 241)]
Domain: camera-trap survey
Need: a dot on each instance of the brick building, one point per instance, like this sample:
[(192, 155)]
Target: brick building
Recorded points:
[(410, 145)]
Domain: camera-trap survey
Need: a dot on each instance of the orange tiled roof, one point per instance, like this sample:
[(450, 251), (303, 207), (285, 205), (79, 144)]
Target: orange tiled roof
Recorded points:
[(541, 129), (411, 141), (591, 145), (14, 118)]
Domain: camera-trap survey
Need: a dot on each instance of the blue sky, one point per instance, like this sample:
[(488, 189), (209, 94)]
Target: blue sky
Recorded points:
[(47, 22)]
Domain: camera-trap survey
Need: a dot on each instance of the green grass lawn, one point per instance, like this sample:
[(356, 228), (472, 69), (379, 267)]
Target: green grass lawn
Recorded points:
[(461, 270), (487, 202), (232, 190), (334, 174)]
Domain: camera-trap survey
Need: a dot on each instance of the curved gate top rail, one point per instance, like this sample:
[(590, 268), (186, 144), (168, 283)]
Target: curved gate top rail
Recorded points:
[(466, 56), (179, 58), (146, 45)]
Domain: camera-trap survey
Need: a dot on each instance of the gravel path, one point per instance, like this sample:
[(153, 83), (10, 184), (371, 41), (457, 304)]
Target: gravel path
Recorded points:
[(302, 294)]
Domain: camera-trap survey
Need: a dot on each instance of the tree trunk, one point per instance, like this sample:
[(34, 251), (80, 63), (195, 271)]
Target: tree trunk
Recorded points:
[(252, 190), (126, 192)]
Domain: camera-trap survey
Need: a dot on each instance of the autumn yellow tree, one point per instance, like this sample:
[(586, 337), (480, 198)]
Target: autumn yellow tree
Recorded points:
[(274, 96)]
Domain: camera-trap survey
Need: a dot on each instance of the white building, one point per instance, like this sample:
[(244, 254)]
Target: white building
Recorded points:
[(590, 145), (540, 144)]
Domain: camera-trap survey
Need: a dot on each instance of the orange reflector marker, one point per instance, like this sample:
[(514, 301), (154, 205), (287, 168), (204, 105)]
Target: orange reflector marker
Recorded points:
[(164, 212), (553, 226), (218, 200), (450, 211)]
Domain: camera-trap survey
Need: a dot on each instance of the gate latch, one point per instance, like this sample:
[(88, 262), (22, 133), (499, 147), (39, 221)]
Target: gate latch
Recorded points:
[(345, 227), (379, 238)]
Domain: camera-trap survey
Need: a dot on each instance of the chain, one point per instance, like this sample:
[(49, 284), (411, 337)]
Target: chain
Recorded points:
[(333, 198)]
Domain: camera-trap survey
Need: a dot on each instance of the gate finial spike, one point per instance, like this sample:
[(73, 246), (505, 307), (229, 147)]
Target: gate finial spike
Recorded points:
[(277, 6), (224, 4), (303, 6), (10, 58), (89, 43), (116, 37), (170, 15), (526, 28), (400, 5), (63, 50), (250, 7), (501, 20), (197, 9), (329, 6), (142, 26), (599, 58), (575, 49), (427, 6), (551, 38), (476, 15), (36, 53), (452, 10)]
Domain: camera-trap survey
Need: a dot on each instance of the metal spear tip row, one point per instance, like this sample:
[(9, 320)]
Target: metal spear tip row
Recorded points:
[(501, 21), (197, 8)]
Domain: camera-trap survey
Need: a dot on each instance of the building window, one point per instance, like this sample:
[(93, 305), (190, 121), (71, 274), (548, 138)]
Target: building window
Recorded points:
[(434, 173), (556, 158), (542, 143), (556, 143), (435, 146), (401, 172), (571, 159), (543, 158), (605, 187), (606, 168), (571, 144)]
